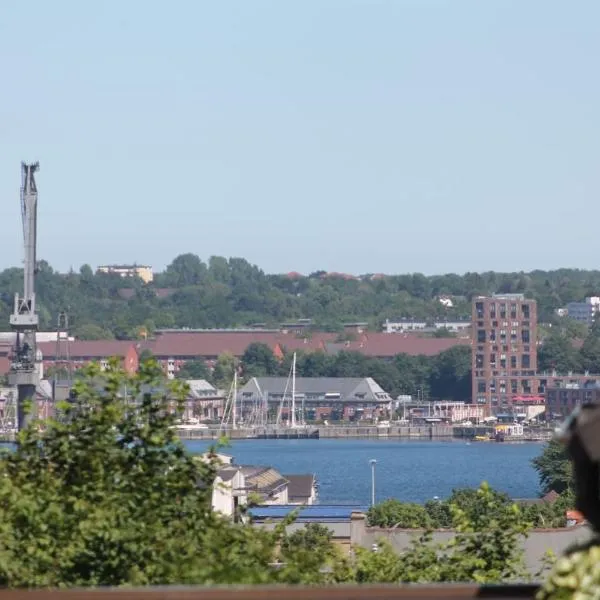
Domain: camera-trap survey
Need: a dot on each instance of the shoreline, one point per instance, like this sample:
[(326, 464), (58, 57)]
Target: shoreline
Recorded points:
[(426, 432)]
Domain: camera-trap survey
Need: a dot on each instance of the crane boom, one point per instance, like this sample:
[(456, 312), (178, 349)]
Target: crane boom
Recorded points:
[(24, 320)]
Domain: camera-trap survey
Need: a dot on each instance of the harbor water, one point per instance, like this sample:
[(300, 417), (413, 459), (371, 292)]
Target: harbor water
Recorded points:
[(412, 471)]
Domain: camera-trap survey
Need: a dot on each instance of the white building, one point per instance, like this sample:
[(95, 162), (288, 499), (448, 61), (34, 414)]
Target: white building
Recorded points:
[(144, 272), (404, 325), (584, 312), (456, 412), (229, 491)]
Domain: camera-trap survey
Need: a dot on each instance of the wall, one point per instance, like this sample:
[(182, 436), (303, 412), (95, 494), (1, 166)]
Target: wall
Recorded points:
[(535, 545)]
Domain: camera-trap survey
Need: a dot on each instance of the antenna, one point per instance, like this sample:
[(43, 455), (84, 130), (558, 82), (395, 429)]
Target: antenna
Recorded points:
[(63, 366)]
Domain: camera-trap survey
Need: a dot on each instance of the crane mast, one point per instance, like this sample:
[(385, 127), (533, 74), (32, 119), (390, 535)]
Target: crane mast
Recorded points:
[(24, 319)]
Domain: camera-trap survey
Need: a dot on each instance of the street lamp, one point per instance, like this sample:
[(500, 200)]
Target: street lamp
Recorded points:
[(372, 462)]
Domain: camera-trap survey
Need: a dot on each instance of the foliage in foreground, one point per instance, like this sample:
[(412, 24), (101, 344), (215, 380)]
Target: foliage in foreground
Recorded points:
[(486, 549), (108, 495), (438, 514), (554, 468), (575, 575)]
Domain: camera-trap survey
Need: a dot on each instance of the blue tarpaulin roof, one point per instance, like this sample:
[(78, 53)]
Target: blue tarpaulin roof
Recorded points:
[(317, 512)]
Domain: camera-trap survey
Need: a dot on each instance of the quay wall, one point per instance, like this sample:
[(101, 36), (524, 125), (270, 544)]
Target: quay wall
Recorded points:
[(325, 432)]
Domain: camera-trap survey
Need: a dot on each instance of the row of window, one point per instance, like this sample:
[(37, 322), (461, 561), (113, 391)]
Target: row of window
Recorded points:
[(501, 335), (501, 388), (502, 362), (503, 310)]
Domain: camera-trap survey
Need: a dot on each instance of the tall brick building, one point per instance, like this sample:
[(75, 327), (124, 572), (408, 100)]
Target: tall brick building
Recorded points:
[(504, 358)]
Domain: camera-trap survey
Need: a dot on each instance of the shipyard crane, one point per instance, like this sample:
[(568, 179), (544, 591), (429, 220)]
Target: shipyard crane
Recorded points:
[(24, 319)]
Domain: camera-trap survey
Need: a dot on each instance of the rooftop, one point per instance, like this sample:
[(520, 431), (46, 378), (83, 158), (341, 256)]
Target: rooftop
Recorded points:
[(363, 388)]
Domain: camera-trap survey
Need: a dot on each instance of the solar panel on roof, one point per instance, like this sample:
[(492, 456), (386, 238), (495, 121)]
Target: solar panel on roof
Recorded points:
[(307, 512)]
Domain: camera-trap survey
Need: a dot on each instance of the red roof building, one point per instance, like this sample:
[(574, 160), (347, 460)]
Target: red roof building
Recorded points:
[(173, 348)]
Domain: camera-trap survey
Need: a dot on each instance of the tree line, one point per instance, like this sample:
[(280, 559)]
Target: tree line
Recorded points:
[(232, 292), (444, 376), (570, 347)]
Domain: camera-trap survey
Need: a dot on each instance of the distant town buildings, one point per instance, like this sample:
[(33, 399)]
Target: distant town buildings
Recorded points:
[(408, 325), (505, 379), (144, 272), (560, 402), (504, 358), (316, 398), (173, 348), (584, 312), (235, 485)]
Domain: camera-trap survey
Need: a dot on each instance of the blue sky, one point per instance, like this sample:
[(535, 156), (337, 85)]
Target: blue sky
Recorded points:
[(348, 135)]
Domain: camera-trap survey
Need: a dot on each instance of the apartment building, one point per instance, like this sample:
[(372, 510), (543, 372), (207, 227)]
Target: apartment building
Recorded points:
[(144, 272), (504, 358), (584, 312)]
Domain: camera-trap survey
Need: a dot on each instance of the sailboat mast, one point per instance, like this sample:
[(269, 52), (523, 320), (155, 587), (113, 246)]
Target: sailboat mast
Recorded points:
[(234, 400), (294, 391)]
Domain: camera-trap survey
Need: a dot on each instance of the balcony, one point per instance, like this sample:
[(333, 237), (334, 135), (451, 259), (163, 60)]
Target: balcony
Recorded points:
[(366, 592)]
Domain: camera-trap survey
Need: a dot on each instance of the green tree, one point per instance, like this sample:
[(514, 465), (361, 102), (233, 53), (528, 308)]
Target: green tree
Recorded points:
[(554, 468), (258, 360), (194, 369), (590, 350), (90, 331), (450, 376), (109, 496), (224, 370), (145, 355), (394, 513), (486, 549), (312, 545), (557, 353)]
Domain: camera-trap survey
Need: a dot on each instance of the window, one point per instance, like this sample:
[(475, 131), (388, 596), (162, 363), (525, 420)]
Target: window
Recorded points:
[(492, 335), (525, 336), (525, 361), (479, 309), (481, 387), (515, 324), (513, 311), (481, 336), (525, 309), (513, 386), (479, 361), (503, 361), (492, 360), (495, 324), (513, 362)]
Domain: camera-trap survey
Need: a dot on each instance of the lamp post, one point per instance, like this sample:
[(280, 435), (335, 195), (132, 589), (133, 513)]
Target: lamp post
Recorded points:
[(372, 462)]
